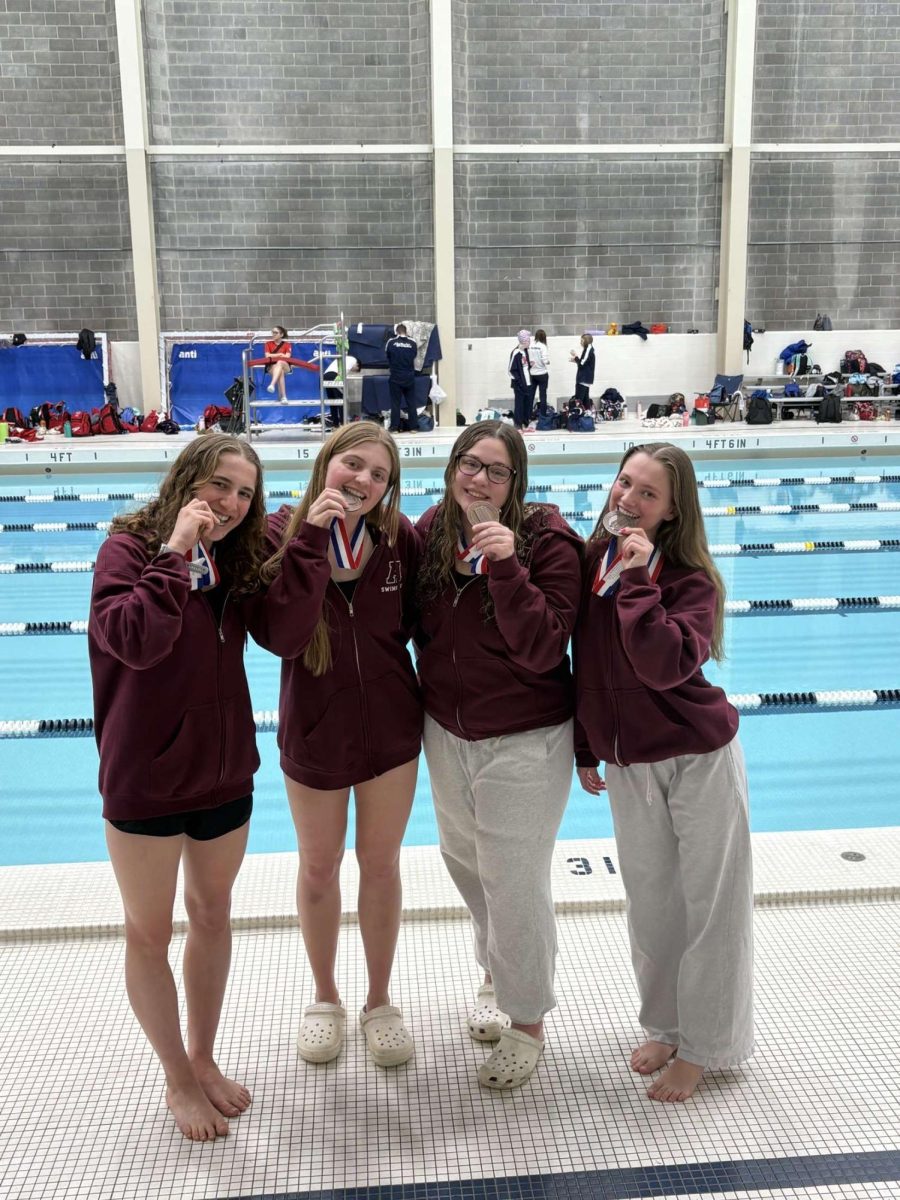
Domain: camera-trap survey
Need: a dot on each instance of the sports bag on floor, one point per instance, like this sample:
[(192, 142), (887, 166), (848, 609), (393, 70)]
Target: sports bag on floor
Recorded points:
[(759, 410)]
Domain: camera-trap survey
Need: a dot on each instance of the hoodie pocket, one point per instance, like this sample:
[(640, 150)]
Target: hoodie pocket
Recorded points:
[(189, 764)]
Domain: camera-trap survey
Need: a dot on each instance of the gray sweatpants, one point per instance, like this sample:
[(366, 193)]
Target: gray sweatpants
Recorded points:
[(499, 804), (683, 840)]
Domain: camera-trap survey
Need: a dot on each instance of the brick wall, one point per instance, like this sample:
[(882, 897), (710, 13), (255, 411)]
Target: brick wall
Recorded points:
[(574, 244), (827, 71), (294, 241), (290, 71), (651, 70), (64, 246), (59, 78), (824, 237)]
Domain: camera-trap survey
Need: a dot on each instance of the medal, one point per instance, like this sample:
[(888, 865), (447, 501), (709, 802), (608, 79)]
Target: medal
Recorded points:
[(202, 568)]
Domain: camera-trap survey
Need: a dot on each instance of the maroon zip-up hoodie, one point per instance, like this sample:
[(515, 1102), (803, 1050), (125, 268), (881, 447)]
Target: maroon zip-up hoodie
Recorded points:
[(363, 717), (172, 713), (483, 679), (641, 695)]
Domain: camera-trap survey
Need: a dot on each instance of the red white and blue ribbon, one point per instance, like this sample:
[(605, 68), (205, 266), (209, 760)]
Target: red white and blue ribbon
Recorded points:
[(479, 564), (607, 579), (348, 549), (202, 568)]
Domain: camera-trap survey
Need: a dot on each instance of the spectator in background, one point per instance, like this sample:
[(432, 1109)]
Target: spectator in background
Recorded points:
[(401, 352), (520, 379), (584, 374), (539, 360), (278, 355)]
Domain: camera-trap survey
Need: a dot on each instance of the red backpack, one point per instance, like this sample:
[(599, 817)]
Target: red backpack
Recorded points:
[(216, 414), (81, 424), (150, 422), (15, 418), (855, 362), (106, 420)]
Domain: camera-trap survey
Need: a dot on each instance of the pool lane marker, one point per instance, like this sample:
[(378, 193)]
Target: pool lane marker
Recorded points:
[(437, 489), (733, 608), (724, 550), (746, 702), (728, 510)]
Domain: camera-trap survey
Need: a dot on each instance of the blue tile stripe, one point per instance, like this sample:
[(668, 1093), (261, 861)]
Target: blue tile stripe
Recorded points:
[(637, 1183)]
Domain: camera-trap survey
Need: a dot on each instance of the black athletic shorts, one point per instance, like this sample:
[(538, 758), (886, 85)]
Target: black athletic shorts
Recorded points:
[(203, 825)]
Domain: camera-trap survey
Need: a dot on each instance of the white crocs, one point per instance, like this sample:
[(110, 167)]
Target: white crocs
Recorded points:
[(486, 1021), (387, 1037), (514, 1058), (321, 1034)]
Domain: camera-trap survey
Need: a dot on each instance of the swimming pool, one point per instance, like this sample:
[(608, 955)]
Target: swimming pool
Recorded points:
[(807, 770)]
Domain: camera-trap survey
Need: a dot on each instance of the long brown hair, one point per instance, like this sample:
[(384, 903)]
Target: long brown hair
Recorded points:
[(683, 538), (239, 555), (384, 517), (439, 561)]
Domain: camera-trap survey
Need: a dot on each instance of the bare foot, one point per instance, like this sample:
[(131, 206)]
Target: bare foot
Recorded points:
[(228, 1096), (677, 1082), (651, 1056), (194, 1115)]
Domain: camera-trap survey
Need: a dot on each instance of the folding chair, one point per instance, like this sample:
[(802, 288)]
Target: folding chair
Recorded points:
[(725, 397)]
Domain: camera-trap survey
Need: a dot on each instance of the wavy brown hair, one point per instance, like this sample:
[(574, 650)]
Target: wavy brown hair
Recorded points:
[(240, 554), (439, 560), (683, 538), (384, 517)]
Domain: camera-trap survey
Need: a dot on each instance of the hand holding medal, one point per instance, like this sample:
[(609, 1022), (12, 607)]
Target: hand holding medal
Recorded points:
[(491, 539), (330, 505), (635, 547)]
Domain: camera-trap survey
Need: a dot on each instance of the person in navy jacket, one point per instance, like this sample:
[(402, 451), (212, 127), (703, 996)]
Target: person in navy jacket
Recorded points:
[(400, 351), (651, 615), (498, 596), (584, 372), (350, 715), (175, 730), (520, 380)]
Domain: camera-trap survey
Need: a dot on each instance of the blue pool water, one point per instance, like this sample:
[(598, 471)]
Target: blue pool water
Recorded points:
[(807, 771)]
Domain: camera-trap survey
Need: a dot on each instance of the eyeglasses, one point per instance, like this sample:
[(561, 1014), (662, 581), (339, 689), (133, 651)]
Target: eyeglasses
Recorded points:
[(496, 472)]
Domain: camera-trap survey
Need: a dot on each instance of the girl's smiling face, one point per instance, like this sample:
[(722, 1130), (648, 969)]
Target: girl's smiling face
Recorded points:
[(642, 494), (229, 494), (361, 475), (468, 488)]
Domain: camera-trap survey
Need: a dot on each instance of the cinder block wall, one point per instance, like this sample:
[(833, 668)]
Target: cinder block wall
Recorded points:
[(566, 243), (646, 71), (824, 237), (576, 243), (65, 257), (242, 244), (66, 252), (825, 230), (256, 71)]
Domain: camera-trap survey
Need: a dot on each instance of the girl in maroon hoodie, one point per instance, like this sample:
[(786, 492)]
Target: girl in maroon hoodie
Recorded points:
[(651, 615), (350, 715), (498, 592), (177, 742)]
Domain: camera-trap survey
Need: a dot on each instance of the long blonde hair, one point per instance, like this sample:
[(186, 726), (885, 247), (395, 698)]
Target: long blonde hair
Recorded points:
[(239, 556), (683, 538), (384, 517)]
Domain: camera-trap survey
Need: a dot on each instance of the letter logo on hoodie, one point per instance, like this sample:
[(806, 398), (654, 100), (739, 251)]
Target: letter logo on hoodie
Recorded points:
[(392, 581)]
